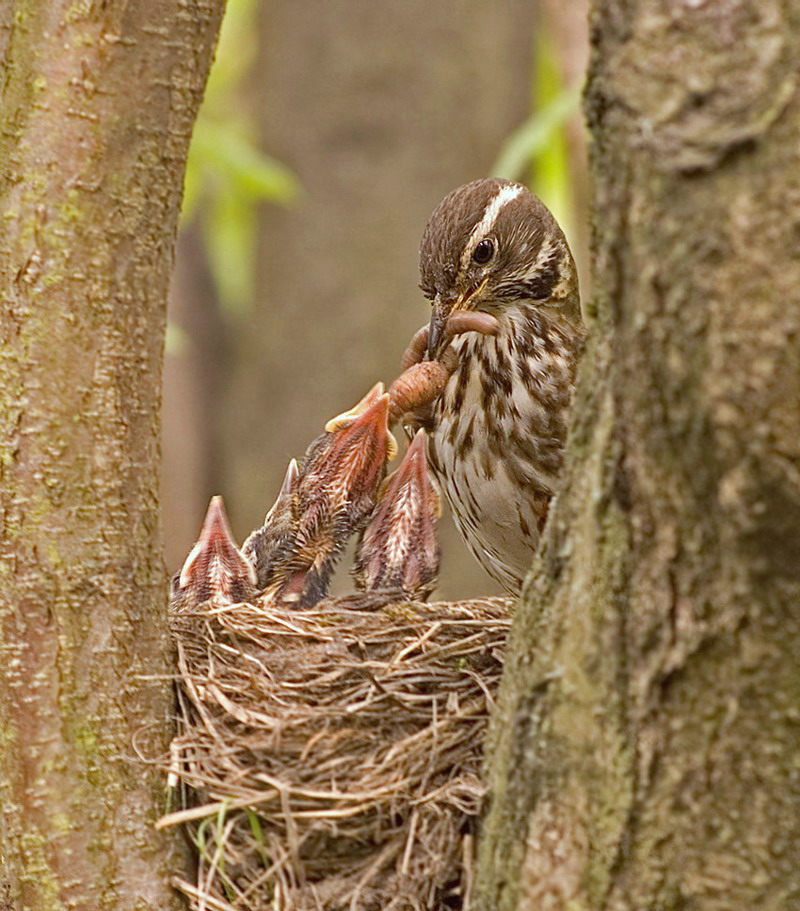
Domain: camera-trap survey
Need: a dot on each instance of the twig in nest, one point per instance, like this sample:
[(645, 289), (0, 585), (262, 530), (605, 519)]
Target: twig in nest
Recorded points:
[(332, 756)]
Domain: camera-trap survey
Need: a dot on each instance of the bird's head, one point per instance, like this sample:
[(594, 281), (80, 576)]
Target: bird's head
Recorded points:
[(490, 244), (215, 569)]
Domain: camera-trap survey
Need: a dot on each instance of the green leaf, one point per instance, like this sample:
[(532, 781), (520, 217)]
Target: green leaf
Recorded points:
[(236, 50), (255, 826), (227, 175), (237, 160), (177, 341), (229, 229), (534, 137), (538, 152)]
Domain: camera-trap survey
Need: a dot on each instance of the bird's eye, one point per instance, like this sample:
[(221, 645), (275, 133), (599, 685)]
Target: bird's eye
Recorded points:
[(483, 252)]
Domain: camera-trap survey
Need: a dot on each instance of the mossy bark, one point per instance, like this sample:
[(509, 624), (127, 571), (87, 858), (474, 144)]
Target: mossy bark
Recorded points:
[(98, 105), (645, 749)]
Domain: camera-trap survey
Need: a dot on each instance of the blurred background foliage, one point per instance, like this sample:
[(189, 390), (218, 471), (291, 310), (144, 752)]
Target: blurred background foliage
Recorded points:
[(227, 174), (326, 137), (536, 152)]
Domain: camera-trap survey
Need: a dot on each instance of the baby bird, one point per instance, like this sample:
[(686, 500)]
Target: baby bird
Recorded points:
[(399, 550), (278, 531), (333, 497), (215, 569)]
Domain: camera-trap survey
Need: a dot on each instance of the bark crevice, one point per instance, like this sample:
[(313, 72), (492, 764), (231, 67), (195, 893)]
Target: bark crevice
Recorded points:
[(662, 593)]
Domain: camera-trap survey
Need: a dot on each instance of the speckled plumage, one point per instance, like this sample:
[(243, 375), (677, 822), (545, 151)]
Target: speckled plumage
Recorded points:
[(497, 433)]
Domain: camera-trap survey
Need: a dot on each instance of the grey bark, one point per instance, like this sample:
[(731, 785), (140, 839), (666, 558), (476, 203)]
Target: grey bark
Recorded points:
[(98, 106), (644, 753)]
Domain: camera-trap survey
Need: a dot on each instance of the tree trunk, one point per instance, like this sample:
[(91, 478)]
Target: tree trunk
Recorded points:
[(645, 749), (98, 106), (379, 109)]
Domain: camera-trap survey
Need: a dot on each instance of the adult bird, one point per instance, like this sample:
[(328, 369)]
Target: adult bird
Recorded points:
[(497, 432)]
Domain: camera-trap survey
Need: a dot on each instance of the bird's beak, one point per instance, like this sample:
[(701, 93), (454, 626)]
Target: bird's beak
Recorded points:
[(215, 561), (442, 311), (439, 317)]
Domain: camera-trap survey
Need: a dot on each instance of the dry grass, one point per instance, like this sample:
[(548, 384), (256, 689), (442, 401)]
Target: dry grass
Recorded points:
[(329, 759)]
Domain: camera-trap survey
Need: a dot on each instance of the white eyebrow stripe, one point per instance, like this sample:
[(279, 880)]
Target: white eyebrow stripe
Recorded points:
[(503, 196)]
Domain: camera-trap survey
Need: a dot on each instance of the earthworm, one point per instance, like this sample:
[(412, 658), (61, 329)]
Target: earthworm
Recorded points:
[(459, 322), (417, 387)]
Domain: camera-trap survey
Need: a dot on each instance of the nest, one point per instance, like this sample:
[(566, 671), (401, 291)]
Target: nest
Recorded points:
[(330, 758)]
